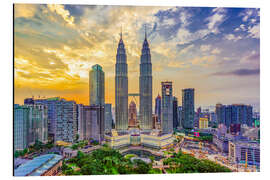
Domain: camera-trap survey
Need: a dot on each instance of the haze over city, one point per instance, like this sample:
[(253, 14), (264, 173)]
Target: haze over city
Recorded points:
[(214, 50)]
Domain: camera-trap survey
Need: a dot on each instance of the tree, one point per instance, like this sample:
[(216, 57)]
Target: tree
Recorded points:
[(77, 137)]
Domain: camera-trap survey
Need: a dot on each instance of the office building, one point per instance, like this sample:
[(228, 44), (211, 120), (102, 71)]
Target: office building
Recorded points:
[(188, 108), (38, 123), (21, 121), (167, 107), (145, 86), (108, 118), (175, 113), (121, 88), (158, 107), (203, 123), (180, 116), (234, 114), (92, 122), (96, 86), (132, 115), (244, 152)]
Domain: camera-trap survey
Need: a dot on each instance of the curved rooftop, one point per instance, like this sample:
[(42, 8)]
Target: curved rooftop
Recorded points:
[(38, 165)]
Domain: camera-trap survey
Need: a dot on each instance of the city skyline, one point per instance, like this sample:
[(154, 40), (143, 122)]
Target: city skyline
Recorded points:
[(190, 50)]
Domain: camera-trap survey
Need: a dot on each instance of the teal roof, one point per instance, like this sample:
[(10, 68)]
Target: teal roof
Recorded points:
[(38, 165)]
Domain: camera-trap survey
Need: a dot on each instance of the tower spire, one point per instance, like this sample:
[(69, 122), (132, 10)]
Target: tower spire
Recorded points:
[(121, 32), (145, 34)]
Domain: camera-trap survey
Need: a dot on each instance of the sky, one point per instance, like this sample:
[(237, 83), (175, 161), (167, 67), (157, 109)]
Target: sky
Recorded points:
[(214, 50)]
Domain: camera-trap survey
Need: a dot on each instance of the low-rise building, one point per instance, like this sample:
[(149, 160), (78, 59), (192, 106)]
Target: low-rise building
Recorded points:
[(244, 152), (203, 123), (45, 165)]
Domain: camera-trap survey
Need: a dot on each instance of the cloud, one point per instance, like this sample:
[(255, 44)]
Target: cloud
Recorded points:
[(249, 14), (241, 27), (239, 72), (204, 61), (24, 10), (187, 49), (176, 64), (232, 37), (216, 19), (60, 10), (216, 51), (254, 31), (204, 48)]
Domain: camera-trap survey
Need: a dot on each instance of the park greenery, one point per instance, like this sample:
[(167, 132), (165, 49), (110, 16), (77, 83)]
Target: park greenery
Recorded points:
[(105, 161), (80, 144), (37, 147), (185, 163)]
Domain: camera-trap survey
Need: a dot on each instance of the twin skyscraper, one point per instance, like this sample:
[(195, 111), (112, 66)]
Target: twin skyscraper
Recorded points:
[(121, 87)]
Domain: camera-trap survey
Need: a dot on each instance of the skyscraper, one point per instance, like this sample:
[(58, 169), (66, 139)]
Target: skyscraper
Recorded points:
[(38, 123), (180, 116), (167, 108), (234, 114), (145, 86), (121, 87), (21, 121), (175, 113), (132, 115), (108, 118), (188, 108), (158, 108), (96, 86), (65, 125)]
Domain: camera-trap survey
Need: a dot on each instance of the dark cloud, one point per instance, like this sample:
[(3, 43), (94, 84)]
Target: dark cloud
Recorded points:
[(239, 72)]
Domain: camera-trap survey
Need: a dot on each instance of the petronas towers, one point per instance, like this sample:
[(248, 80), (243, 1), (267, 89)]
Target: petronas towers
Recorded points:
[(121, 88), (146, 87)]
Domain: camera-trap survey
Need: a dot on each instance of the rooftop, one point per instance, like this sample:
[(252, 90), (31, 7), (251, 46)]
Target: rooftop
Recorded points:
[(38, 165)]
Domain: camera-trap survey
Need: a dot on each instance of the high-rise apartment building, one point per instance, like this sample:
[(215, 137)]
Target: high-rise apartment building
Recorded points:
[(167, 108), (188, 108), (65, 125)]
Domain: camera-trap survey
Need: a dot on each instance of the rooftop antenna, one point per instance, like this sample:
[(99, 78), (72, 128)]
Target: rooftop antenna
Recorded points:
[(121, 32), (145, 34)]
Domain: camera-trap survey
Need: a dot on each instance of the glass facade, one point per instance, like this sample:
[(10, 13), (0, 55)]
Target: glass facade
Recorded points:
[(175, 113), (96, 86), (21, 120), (167, 108), (188, 108), (234, 114), (145, 86), (121, 88)]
